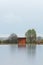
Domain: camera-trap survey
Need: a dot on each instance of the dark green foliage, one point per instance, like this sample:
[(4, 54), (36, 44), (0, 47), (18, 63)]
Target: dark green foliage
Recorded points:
[(30, 36), (0, 41)]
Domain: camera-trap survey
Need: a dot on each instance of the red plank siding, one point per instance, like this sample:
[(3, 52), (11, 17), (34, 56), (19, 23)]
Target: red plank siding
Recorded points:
[(21, 41)]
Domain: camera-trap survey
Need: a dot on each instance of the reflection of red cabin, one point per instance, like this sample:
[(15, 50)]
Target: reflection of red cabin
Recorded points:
[(21, 41)]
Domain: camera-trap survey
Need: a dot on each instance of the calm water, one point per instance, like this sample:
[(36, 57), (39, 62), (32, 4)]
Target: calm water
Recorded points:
[(14, 55)]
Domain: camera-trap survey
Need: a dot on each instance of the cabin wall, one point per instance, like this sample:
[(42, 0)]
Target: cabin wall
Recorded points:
[(22, 41)]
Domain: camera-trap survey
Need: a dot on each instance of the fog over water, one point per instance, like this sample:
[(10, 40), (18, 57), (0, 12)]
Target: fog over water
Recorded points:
[(20, 15)]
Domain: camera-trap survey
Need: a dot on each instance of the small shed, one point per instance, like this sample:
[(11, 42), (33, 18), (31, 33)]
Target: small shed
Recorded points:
[(21, 41)]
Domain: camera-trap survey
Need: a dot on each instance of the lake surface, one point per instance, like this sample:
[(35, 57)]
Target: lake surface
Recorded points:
[(14, 55)]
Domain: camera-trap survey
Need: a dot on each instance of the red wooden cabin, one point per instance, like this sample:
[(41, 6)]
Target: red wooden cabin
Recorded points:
[(21, 41)]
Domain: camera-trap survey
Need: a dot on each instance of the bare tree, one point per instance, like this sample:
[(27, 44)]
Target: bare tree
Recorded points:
[(13, 38)]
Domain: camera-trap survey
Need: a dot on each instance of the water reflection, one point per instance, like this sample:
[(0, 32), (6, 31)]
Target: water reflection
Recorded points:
[(22, 46), (12, 48), (31, 48), (14, 55)]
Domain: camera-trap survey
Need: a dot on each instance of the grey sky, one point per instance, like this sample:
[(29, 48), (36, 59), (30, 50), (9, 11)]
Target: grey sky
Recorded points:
[(17, 16)]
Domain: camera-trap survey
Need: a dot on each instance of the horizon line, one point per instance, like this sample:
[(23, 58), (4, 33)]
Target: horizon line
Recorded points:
[(7, 35)]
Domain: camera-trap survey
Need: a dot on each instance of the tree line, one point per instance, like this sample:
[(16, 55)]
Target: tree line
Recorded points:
[(30, 35)]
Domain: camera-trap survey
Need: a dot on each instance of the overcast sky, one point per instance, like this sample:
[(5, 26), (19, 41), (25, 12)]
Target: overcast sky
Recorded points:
[(17, 16)]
